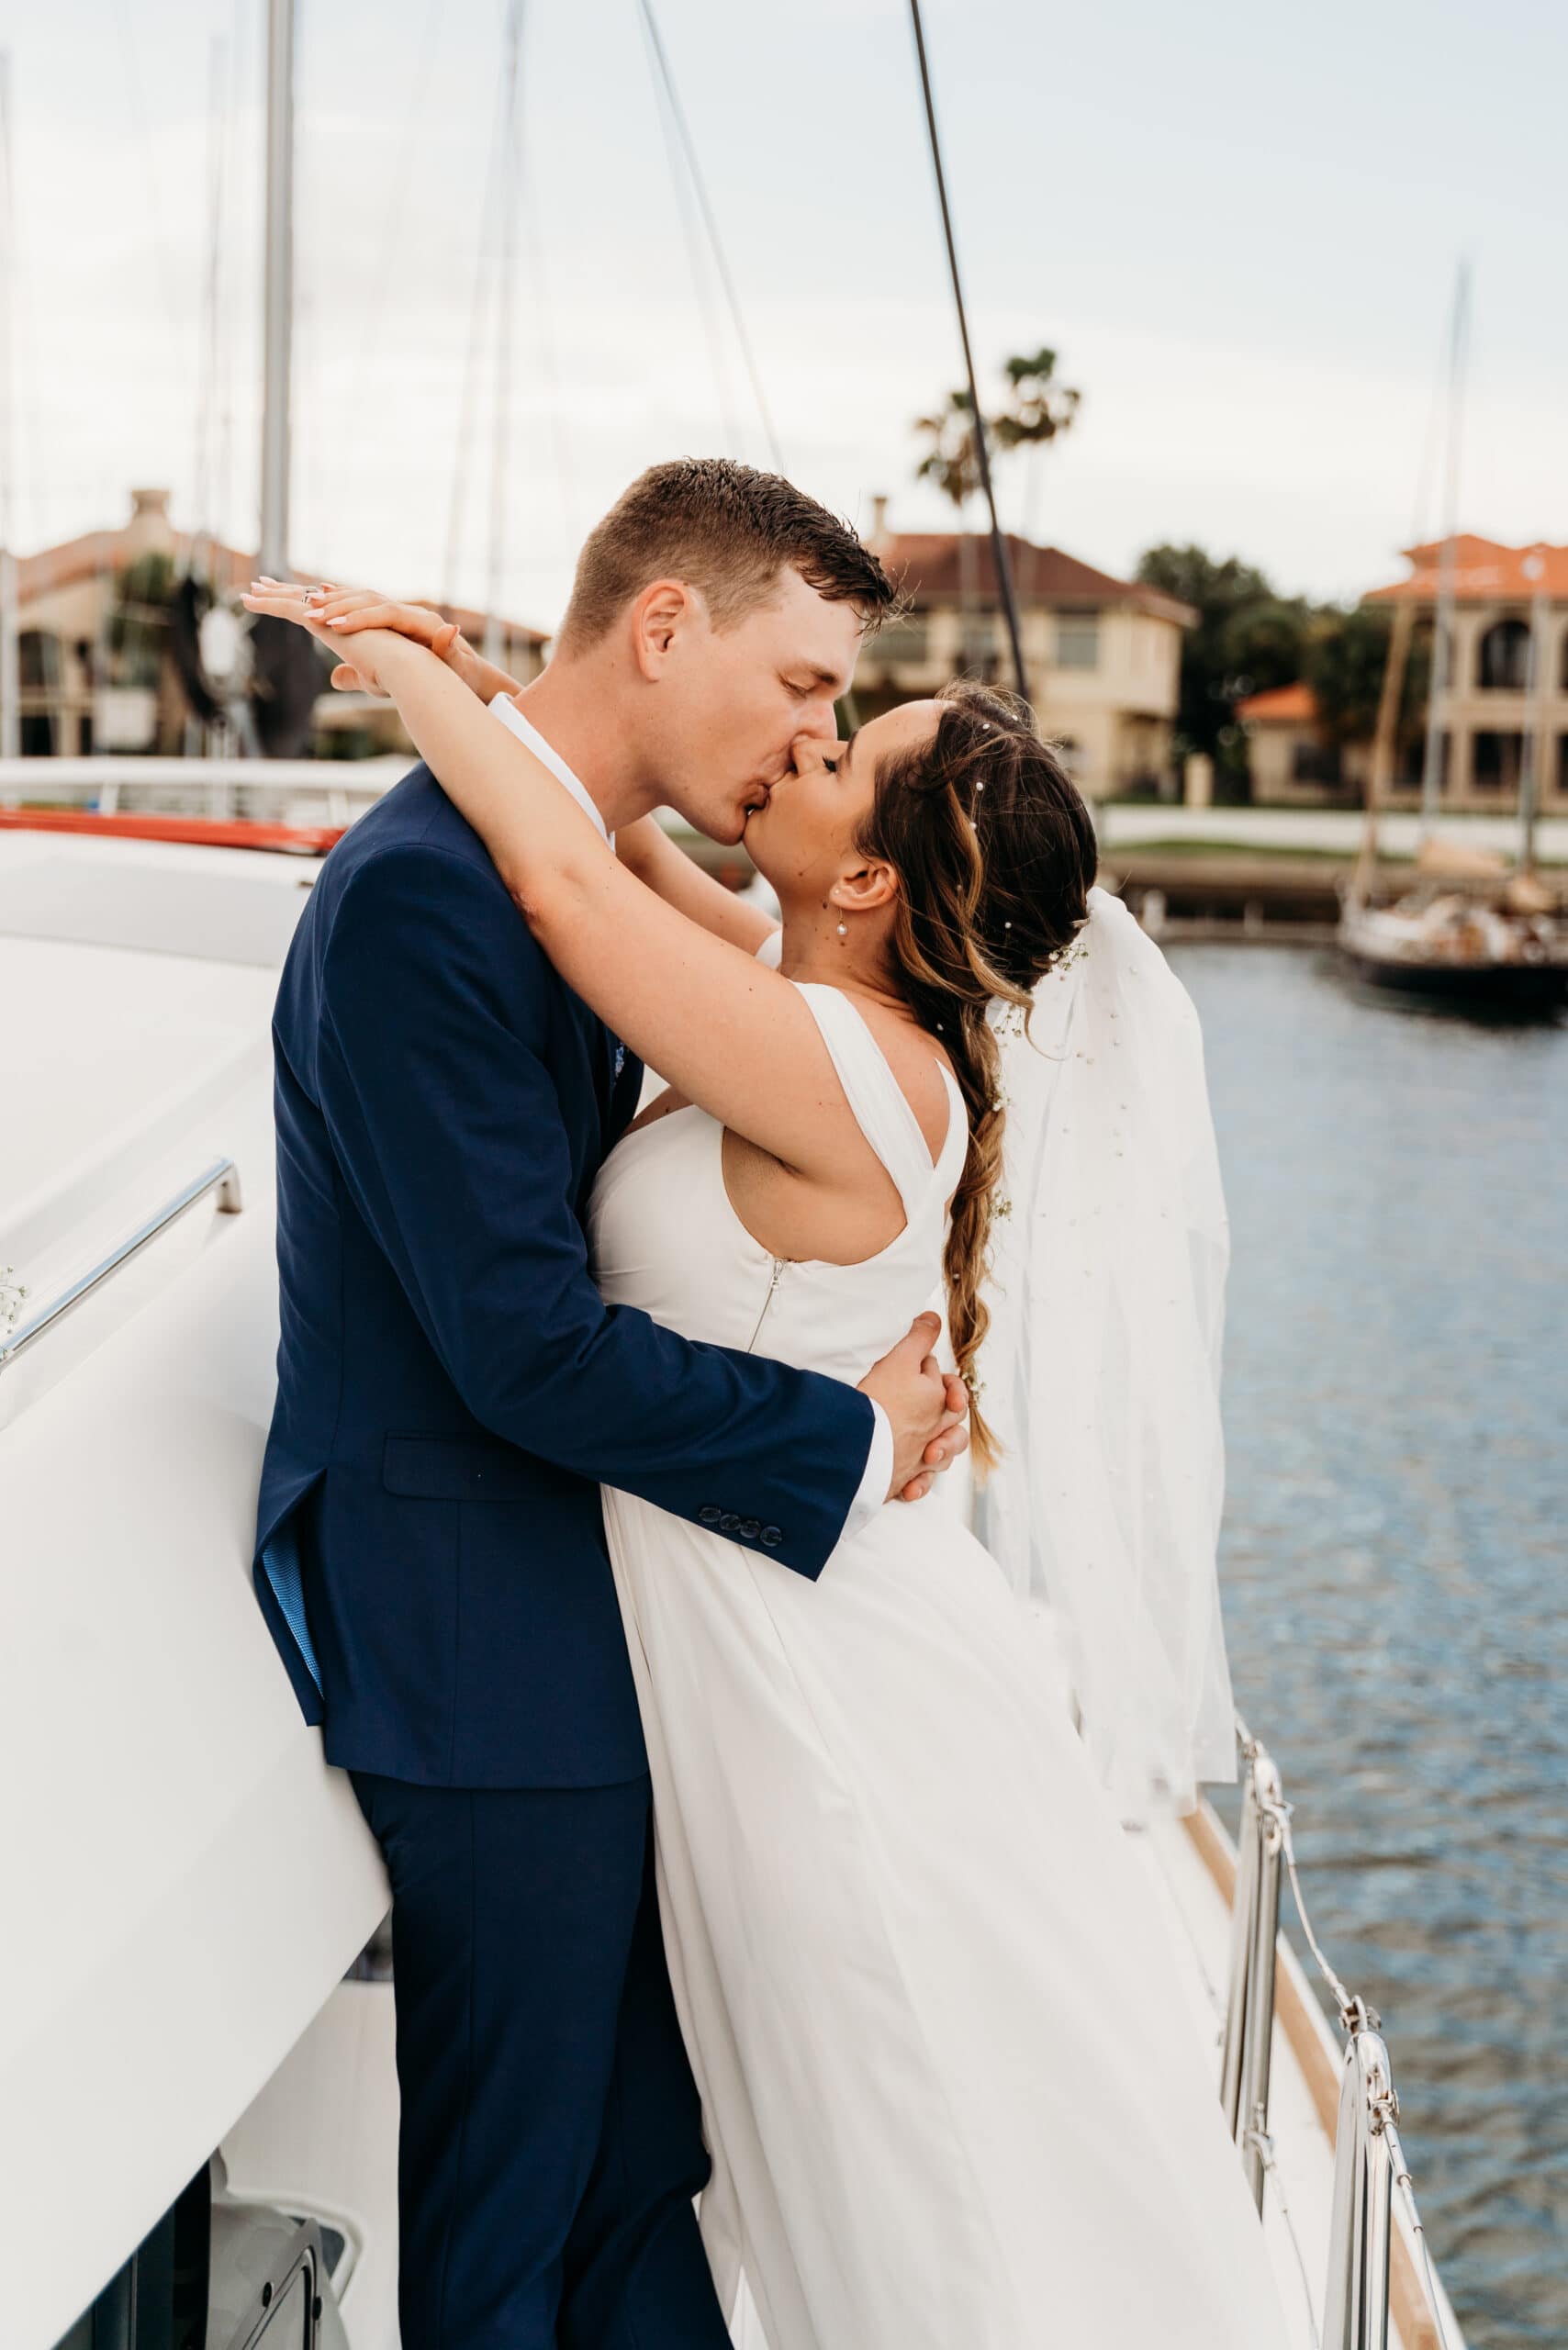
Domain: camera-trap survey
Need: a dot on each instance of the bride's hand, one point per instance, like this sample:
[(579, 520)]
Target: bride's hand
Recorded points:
[(333, 613)]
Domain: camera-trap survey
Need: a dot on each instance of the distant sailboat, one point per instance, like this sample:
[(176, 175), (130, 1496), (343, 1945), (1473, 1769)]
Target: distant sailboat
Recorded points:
[(1470, 928)]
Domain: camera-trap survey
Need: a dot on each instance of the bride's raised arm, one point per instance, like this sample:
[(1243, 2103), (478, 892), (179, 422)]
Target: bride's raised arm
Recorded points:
[(732, 1035), (643, 846)]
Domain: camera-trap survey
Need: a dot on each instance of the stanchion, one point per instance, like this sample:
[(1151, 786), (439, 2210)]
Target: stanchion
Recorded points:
[(1355, 2307), (1255, 1925)]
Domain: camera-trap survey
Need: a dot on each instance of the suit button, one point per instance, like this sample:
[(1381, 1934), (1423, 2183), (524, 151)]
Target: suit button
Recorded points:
[(729, 1522), (772, 1536), (750, 1529), (709, 1516)]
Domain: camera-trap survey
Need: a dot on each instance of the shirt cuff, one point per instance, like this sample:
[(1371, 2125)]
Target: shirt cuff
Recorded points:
[(878, 1476)]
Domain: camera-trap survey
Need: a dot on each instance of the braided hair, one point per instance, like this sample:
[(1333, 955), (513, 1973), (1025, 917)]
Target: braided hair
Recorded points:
[(995, 855)]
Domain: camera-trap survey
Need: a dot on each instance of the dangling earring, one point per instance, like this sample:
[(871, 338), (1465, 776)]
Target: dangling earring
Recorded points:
[(843, 930)]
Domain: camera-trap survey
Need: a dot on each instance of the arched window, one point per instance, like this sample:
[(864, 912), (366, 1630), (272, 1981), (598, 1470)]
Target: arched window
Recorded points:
[(1503, 661), (38, 658)]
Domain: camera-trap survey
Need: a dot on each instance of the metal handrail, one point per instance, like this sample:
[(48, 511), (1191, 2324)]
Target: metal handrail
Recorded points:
[(222, 1177), (1370, 2167)]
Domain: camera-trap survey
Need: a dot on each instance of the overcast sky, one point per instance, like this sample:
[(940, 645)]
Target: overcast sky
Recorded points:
[(1238, 224)]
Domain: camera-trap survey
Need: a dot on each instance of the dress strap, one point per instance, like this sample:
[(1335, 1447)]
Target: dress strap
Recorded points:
[(874, 1095)]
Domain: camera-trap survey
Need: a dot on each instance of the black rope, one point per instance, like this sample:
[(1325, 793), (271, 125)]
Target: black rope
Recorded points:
[(998, 546)]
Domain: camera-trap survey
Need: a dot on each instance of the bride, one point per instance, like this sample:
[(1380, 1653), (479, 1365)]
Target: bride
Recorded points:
[(953, 2099)]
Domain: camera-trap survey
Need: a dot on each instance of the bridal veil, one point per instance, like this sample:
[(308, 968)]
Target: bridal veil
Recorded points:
[(1100, 1373)]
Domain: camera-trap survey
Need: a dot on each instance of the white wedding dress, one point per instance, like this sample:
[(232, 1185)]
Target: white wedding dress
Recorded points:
[(953, 2101)]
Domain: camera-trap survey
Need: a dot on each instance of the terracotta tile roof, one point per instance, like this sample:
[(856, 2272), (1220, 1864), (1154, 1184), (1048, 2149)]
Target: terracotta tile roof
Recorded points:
[(97, 552), (1280, 706), (100, 551), (929, 566), (1484, 571)]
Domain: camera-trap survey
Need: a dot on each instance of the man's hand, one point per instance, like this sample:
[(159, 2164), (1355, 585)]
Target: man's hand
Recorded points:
[(925, 1409)]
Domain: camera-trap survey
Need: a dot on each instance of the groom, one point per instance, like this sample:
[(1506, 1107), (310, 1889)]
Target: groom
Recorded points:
[(451, 1391)]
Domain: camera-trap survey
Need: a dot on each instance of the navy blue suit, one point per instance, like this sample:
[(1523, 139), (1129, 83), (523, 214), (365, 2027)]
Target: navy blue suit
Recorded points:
[(431, 1560)]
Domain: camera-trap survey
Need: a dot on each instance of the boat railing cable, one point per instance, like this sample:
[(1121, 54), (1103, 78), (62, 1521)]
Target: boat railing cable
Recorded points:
[(1370, 2167), (222, 1177)]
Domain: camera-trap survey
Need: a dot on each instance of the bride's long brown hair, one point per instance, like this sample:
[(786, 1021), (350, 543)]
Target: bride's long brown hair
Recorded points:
[(995, 856)]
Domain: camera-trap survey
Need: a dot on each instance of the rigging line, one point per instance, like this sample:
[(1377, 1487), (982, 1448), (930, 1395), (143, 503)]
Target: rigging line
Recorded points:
[(9, 242), (998, 545), (715, 241), (691, 233), (223, 459), (150, 166), (476, 321), (1429, 444), (25, 404), (402, 181), (501, 421), (203, 521), (539, 276)]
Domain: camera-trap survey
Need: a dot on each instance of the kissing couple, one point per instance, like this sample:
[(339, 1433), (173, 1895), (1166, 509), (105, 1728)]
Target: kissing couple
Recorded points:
[(745, 1852)]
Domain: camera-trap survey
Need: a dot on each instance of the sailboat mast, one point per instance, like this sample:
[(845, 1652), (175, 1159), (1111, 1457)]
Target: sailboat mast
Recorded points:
[(1538, 710), (278, 295), (1442, 637), (10, 673)]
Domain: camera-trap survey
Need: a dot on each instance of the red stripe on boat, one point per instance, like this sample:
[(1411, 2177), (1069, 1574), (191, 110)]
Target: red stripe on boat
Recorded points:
[(199, 832)]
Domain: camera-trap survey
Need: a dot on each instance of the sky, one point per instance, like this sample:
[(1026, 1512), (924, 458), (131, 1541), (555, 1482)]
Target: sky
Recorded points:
[(1238, 226)]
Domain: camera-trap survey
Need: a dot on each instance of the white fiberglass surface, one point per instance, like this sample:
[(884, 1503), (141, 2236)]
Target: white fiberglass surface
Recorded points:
[(107, 1056), (153, 897)]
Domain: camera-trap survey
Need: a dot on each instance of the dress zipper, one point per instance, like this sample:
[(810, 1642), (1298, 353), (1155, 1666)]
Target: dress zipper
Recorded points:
[(779, 1264)]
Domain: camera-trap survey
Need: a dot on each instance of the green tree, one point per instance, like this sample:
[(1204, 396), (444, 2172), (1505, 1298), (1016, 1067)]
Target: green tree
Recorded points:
[(1346, 655), (1248, 639), (139, 624)]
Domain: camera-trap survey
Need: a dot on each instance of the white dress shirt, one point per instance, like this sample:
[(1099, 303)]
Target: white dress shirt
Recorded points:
[(879, 1471)]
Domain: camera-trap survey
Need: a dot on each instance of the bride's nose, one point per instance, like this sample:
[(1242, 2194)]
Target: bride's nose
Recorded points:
[(811, 754)]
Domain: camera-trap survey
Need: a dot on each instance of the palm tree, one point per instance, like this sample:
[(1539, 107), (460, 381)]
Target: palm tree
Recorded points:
[(952, 463), (1037, 409)]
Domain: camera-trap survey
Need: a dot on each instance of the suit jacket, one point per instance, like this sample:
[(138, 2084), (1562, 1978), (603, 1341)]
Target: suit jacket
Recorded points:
[(452, 1389)]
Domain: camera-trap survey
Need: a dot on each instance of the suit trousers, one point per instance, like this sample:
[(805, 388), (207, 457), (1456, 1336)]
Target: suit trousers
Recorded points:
[(551, 2143)]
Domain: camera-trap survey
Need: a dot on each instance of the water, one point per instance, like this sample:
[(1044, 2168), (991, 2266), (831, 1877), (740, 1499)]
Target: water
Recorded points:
[(1396, 1386)]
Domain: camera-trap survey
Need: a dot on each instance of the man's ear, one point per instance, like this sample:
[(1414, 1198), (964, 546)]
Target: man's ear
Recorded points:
[(866, 887), (658, 616)]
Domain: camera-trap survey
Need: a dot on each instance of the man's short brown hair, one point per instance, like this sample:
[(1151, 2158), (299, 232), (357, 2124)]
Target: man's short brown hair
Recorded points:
[(727, 531)]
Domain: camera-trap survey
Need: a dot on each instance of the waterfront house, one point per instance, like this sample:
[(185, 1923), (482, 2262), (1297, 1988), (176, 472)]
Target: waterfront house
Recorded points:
[(1103, 655), (1291, 762), (94, 659), (1506, 681), (1506, 686)]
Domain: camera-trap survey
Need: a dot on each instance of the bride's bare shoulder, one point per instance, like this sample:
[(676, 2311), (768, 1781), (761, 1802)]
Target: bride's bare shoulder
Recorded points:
[(917, 1059)]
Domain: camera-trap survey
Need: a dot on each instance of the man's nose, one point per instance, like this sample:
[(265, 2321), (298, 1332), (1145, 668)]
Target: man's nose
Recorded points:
[(822, 726)]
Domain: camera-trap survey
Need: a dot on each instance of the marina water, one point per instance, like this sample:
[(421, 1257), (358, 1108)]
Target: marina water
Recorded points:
[(1396, 1409)]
